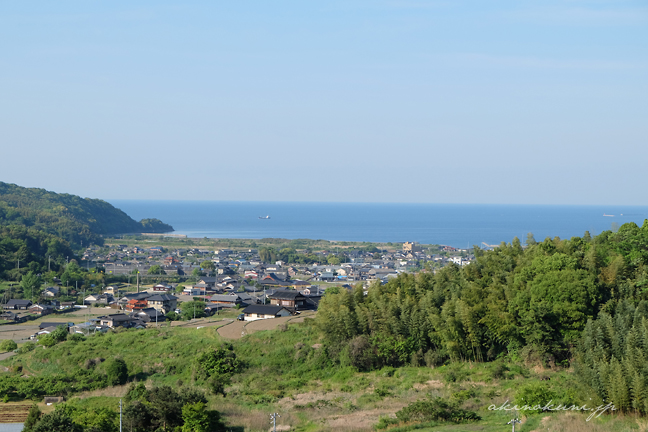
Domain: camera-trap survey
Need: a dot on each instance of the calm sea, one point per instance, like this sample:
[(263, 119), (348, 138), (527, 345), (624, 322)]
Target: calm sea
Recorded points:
[(458, 225)]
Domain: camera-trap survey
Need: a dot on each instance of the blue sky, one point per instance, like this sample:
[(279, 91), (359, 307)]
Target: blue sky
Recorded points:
[(379, 101)]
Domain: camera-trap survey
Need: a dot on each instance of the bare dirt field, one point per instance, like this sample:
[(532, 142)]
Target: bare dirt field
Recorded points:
[(328, 408), (18, 333), (238, 329), (14, 412), (232, 330)]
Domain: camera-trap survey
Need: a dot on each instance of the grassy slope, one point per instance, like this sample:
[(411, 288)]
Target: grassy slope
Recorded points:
[(286, 374)]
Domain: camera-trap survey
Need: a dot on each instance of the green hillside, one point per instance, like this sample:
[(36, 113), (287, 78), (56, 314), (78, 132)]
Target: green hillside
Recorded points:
[(75, 219)]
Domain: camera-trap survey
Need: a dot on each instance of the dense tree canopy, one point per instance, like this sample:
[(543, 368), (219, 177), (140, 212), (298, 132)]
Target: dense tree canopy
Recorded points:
[(75, 219), (530, 301)]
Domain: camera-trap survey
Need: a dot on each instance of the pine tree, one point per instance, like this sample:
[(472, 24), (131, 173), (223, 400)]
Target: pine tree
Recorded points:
[(32, 418), (619, 388), (639, 393)]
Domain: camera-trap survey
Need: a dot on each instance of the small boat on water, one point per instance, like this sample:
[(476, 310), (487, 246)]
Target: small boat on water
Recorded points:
[(264, 217), (607, 215)]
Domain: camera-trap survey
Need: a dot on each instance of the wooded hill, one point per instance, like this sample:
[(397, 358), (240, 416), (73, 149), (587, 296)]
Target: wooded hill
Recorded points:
[(75, 219), (578, 302)]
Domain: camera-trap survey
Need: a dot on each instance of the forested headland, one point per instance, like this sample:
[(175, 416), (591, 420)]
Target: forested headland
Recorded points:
[(43, 229), (70, 217)]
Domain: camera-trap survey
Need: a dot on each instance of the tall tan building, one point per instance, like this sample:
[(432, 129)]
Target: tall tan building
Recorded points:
[(411, 247)]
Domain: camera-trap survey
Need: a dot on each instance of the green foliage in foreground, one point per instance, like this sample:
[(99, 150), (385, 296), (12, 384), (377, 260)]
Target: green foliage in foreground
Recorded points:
[(7, 345), (613, 357), (164, 408), (217, 367), (436, 409)]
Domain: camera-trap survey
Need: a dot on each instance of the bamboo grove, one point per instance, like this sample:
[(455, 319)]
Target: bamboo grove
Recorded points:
[(559, 302)]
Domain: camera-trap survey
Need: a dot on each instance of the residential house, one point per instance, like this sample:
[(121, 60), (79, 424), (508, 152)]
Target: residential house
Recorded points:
[(288, 298), (102, 299), (226, 300), (272, 280), (17, 304), (257, 312), (51, 292), (301, 285), (162, 288), (149, 315), (117, 320), (208, 280), (250, 274), (45, 325), (163, 302), (326, 276), (10, 316), (136, 305), (40, 309), (192, 291)]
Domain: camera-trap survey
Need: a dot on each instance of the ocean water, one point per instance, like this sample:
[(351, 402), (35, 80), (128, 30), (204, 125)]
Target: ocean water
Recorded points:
[(458, 225)]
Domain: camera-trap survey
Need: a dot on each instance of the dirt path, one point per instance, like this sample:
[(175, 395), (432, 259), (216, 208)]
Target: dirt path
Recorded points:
[(6, 355), (232, 330), (238, 329)]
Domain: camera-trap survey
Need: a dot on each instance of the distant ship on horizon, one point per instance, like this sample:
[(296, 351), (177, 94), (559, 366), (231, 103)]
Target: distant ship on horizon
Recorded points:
[(264, 217), (608, 215)]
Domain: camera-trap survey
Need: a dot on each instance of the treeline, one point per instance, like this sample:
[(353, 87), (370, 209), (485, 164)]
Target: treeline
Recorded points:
[(75, 219), (531, 303), (28, 249), (155, 409), (291, 256)]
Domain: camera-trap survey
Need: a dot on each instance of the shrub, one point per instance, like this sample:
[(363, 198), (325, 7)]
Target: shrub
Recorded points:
[(499, 371), (116, 372), (221, 361), (27, 346), (8, 345), (362, 354), (58, 335), (534, 395), (76, 337), (382, 391), (384, 422), (436, 409)]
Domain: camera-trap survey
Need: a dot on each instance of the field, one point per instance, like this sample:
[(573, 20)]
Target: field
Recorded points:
[(286, 371)]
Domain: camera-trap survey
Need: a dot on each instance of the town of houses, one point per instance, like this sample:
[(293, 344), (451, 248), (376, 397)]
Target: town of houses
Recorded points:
[(239, 279), (361, 266)]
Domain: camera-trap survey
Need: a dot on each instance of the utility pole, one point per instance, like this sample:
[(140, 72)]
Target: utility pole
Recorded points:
[(120, 415), (273, 420), (512, 422), (49, 258)]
